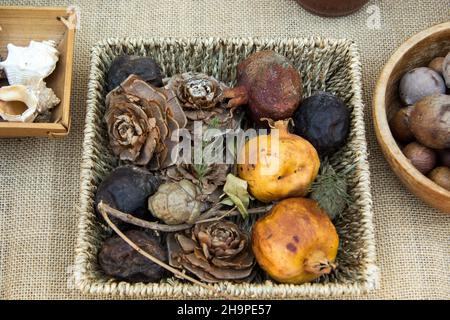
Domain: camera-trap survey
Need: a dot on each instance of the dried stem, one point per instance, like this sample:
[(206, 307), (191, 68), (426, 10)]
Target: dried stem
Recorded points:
[(214, 213), (176, 272), (260, 210), (164, 265), (128, 218), (211, 215), (217, 218)]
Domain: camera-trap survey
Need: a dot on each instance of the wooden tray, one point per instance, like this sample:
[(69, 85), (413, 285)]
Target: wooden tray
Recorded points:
[(19, 26)]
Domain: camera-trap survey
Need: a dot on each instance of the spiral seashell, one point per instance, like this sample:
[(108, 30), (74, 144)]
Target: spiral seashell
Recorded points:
[(22, 103), (18, 104)]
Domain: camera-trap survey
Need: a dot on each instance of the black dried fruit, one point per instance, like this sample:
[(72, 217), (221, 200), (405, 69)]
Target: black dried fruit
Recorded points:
[(127, 189), (324, 120), (118, 259), (144, 67)]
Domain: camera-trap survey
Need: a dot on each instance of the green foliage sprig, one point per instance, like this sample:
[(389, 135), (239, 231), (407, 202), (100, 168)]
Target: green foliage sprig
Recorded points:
[(330, 189)]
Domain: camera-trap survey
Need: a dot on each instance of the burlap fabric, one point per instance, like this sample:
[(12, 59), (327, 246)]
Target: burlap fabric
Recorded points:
[(40, 177)]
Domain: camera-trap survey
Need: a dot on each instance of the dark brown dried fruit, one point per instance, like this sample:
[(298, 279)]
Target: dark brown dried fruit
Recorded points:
[(124, 66), (269, 84), (126, 189), (118, 259), (214, 251)]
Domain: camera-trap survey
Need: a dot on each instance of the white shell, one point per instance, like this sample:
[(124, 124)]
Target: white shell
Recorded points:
[(38, 60), (46, 97), (18, 93), (35, 95)]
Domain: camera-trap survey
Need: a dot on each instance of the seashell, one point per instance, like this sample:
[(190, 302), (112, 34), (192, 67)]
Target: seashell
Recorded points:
[(46, 97), (22, 103), (18, 103), (37, 61)]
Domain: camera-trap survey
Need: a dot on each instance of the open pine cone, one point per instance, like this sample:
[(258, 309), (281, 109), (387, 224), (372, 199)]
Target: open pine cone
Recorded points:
[(214, 251), (208, 175), (196, 90), (140, 120), (209, 179)]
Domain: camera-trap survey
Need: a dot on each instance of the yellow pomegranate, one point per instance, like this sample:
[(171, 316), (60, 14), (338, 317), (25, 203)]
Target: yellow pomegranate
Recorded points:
[(276, 171), (296, 242)]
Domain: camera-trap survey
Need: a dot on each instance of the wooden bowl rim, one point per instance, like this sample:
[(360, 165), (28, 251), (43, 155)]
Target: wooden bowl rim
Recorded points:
[(386, 140)]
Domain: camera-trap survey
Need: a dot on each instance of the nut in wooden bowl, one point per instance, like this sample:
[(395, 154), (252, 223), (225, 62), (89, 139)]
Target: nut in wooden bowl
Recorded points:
[(418, 51)]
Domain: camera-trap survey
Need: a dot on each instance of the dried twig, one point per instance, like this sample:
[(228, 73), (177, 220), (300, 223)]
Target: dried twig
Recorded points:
[(128, 218), (214, 213), (155, 260), (217, 218), (211, 215), (176, 272)]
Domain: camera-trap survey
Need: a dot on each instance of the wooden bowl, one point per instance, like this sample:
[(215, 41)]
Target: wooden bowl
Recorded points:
[(418, 51)]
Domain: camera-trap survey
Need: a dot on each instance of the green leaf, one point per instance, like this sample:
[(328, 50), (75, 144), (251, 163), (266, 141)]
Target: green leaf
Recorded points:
[(227, 201), (236, 190)]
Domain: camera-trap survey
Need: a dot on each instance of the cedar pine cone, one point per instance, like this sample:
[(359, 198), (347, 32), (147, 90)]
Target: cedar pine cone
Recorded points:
[(196, 90), (132, 133), (140, 120), (213, 251)]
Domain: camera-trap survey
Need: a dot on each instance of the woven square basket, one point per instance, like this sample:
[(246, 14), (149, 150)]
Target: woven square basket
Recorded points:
[(329, 65)]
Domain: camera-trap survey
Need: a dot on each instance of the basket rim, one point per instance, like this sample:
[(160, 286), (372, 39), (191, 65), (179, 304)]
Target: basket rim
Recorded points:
[(269, 289)]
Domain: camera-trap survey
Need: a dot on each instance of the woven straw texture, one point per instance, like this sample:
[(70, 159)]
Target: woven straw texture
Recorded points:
[(331, 66), (40, 178)]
